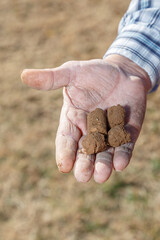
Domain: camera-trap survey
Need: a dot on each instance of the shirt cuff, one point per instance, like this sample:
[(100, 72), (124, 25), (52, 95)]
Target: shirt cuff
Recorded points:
[(141, 45)]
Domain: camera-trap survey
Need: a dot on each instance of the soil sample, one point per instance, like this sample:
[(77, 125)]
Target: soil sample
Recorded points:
[(95, 141), (97, 121), (118, 136), (116, 116)]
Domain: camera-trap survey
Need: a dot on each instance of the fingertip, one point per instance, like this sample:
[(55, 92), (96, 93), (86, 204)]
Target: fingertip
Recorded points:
[(103, 165), (65, 161), (31, 78), (66, 148), (122, 156), (24, 75), (65, 168), (82, 178), (121, 162), (84, 167), (82, 175), (102, 172), (99, 180)]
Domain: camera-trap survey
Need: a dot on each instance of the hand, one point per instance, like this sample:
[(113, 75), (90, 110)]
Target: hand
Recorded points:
[(88, 85)]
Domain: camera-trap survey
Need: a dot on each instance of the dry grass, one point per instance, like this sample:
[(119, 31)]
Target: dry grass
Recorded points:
[(36, 201)]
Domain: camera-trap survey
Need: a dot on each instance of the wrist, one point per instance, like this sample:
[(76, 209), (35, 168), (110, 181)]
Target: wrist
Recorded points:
[(130, 68)]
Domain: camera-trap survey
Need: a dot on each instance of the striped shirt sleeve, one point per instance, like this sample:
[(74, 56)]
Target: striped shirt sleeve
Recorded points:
[(139, 37)]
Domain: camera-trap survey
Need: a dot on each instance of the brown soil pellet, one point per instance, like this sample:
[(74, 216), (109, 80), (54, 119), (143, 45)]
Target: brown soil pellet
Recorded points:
[(94, 143), (118, 136), (96, 139), (97, 122), (116, 116)]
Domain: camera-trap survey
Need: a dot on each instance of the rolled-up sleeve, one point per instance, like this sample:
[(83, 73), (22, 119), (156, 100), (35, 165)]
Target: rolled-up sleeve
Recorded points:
[(139, 37)]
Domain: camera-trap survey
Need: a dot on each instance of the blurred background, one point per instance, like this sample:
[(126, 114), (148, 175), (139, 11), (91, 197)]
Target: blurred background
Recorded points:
[(36, 201)]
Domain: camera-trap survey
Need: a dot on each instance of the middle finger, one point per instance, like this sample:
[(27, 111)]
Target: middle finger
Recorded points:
[(103, 165)]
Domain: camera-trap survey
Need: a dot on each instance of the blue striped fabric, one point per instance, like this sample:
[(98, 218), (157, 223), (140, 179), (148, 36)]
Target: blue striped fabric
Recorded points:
[(139, 37)]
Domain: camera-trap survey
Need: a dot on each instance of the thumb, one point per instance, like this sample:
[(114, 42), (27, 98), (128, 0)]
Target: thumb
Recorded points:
[(46, 79)]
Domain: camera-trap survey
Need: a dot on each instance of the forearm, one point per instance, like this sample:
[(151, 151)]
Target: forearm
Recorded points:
[(138, 38)]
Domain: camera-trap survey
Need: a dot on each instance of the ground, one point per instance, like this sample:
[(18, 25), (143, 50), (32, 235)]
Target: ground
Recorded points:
[(36, 201)]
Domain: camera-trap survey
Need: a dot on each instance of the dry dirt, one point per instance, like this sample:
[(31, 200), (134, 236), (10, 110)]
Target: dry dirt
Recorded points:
[(36, 201)]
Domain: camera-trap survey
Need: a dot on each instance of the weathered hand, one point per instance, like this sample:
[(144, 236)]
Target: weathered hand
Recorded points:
[(88, 85)]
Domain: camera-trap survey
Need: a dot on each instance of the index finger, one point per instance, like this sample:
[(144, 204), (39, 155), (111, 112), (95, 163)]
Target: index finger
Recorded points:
[(67, 139)]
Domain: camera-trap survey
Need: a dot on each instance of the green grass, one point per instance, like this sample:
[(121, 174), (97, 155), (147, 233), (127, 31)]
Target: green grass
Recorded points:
[(115, 189), (155, 167)]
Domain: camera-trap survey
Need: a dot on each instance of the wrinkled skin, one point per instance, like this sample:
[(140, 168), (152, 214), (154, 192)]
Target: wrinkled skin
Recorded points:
[(88, 85)]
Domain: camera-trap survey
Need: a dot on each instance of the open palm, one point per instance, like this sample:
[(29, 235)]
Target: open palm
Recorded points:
[(88, 85)]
